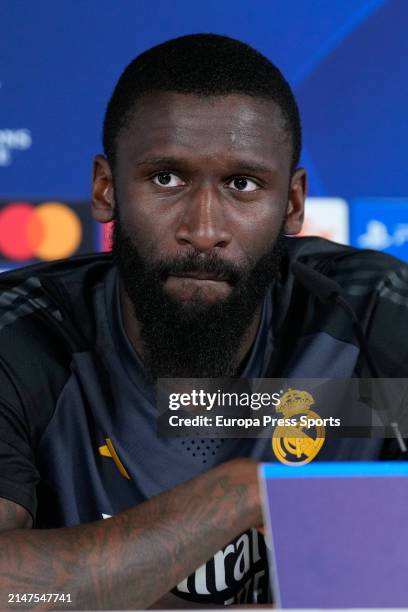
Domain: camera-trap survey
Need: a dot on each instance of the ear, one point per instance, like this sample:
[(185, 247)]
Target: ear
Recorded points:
[(296, 205), (103, 200)]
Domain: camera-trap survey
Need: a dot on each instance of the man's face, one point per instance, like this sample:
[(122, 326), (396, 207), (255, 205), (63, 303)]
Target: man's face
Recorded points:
[(201, 191)]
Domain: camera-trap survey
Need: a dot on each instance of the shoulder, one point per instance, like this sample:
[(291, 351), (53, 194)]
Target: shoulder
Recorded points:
[(46, 314), (375, 285), (358, 271), (59, 291)]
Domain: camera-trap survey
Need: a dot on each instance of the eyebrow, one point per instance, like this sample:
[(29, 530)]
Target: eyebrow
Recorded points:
[(161, 161), (239, 165)]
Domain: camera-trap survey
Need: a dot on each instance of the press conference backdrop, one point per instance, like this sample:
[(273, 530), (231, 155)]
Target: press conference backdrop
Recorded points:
[(345, 59)]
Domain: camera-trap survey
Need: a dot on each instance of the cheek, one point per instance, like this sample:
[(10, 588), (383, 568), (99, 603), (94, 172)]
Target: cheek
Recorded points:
[(259, 230), (149, 228)]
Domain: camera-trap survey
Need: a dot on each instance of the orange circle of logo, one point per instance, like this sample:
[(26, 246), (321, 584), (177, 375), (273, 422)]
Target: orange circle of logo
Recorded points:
[(48, 231)]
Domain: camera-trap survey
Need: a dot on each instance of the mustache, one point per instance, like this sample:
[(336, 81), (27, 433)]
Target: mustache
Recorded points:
[(200, 263)]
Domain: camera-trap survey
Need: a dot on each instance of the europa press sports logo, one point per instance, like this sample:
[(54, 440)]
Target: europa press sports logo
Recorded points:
[(44, 231)]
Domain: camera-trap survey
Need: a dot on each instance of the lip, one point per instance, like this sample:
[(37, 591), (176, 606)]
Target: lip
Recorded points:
[(205, 276), (204, 286)]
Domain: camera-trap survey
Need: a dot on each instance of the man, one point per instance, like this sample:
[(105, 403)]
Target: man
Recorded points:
[(200, 176)]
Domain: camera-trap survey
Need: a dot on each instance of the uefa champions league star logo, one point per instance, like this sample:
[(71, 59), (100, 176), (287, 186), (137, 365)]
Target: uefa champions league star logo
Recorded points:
[(298, 444)]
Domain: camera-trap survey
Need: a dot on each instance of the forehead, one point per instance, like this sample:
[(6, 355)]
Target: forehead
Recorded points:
[(196, 127)]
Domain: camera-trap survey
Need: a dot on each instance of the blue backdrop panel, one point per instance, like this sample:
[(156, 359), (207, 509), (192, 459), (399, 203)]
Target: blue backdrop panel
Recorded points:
[(381, 224), (355, 104), (346, 61), (59, 62)]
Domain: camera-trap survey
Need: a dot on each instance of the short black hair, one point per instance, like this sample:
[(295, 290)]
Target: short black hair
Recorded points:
[(203, 65)]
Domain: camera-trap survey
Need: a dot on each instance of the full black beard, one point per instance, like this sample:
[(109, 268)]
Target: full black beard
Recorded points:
[(194, 339)]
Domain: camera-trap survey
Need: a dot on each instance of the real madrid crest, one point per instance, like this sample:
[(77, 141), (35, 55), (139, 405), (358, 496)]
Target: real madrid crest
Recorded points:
[(297, 444)]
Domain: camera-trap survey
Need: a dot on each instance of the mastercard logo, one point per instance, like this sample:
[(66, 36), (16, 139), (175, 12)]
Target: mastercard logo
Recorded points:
[(48, 231)]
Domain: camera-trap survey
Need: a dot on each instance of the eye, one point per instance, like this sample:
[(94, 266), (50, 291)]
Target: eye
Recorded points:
[(241, 183), (167, 179)]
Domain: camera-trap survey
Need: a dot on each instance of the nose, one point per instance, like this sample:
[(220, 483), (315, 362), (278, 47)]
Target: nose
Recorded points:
[(203, 223)]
